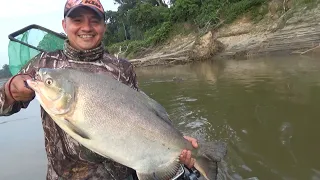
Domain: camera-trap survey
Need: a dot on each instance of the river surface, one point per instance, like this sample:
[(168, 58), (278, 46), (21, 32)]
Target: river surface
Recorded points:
[(267, 110)]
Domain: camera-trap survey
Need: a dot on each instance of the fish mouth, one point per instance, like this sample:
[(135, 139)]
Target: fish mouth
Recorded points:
[(32, 84)]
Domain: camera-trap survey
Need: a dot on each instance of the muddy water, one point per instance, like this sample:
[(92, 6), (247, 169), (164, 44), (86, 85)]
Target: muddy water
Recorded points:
[(265, 109)]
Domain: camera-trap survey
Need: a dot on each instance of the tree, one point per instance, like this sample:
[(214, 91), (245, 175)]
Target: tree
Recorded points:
[(148, 22), (5, 72)]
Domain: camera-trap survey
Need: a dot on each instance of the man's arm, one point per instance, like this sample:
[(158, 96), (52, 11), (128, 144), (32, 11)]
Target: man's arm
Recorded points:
[(132, 77), (14, 95)]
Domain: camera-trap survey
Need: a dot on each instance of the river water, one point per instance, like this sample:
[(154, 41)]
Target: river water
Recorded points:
[(265, 109)]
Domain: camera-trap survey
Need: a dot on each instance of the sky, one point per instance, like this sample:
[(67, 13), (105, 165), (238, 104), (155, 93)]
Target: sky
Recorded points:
[(46, 13)]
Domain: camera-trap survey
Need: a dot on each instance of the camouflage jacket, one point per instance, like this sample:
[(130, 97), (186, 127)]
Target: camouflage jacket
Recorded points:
[(67, 159)]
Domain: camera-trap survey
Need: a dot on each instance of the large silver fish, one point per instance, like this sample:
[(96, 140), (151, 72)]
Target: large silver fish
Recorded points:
[(118, 122)]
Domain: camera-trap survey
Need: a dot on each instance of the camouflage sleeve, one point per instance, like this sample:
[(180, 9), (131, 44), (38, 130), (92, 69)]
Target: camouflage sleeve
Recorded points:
[(132, 77), (9, 109)]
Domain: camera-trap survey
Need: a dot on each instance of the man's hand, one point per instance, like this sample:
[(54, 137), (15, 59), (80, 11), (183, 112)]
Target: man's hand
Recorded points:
[(185, 156), (18, 89)]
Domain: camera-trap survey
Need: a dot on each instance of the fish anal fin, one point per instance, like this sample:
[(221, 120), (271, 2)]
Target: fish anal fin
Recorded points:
[(207, 168), (209, 154), (163, 174)]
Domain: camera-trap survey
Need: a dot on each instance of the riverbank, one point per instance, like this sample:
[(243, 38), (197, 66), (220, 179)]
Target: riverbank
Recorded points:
[(287, 28)]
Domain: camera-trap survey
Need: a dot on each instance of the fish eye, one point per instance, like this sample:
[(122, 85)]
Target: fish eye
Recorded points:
[(49, 81)]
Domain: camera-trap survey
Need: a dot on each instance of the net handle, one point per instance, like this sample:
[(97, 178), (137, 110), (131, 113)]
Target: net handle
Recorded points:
[(27, 28)]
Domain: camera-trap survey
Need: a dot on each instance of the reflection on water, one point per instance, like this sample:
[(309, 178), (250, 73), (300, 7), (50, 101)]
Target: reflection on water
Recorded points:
[(265, 109), (22, 145)]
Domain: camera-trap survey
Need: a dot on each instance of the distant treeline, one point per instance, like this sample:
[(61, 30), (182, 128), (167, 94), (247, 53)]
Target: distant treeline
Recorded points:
[(4, 72)]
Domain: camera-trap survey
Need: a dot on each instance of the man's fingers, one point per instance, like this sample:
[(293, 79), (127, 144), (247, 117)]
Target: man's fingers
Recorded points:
[(188, 157), (193, 141), (18, 88), (183, 155), (195, 144), (185, 158), (187, 138)]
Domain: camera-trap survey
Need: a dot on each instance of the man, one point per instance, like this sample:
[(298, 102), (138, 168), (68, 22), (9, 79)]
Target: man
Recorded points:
[(84, 24)]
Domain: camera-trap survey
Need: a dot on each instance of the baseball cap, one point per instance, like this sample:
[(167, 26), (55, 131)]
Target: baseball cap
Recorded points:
[(93, 4)]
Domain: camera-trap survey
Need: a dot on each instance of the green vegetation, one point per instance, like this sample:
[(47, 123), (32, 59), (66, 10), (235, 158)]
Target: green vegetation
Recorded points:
[(139, 24), (4, 72), (306, 3)]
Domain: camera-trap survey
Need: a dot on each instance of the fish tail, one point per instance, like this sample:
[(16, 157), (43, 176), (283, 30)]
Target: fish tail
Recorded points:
[(209, 154)]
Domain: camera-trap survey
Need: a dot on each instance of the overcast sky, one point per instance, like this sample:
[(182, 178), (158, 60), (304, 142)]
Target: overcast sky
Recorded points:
[(16, 14)]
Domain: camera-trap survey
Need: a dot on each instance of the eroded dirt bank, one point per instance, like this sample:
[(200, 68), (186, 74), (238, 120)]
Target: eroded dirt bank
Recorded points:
[(285, 30)]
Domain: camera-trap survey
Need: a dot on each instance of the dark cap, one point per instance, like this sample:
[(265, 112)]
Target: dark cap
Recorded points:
[(93, 4)]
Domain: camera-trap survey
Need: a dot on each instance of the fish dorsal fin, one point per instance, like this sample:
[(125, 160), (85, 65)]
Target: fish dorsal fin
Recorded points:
[(157, 108), (163, 174)]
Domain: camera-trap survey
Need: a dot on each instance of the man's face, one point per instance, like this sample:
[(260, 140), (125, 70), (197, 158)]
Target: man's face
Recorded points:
[(84, 28)]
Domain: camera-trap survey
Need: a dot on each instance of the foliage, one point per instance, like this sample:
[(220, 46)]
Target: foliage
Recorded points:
[(184, 10), (139, 24), (154, 36), (146, 16), (306, 3), (240, 7), (5, 72)]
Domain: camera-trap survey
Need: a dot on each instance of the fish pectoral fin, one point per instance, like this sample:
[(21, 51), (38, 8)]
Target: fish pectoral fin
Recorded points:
[(162, 174), (69, 128), (76, 130)]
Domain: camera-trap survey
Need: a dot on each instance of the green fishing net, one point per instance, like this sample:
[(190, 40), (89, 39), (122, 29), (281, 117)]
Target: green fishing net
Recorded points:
[(30, 41)]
